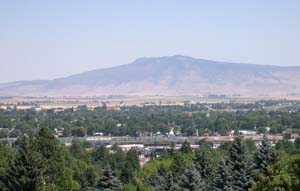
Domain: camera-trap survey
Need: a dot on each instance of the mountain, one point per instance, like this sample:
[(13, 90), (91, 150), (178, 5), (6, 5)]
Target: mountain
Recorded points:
[(170, 75)]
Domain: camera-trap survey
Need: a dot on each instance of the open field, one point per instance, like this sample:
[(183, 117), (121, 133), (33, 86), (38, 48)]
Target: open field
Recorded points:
[(119, 101)]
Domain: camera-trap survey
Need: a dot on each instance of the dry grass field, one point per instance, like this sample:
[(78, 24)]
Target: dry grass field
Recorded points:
[(118, 101)]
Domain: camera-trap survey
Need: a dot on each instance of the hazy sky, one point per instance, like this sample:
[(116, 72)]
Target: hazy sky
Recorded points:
[(50, 39)]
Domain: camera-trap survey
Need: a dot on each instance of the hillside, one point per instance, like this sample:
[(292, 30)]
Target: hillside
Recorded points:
[(172, 75)]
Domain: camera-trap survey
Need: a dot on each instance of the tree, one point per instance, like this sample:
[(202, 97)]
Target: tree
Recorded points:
[(264, 156), (186, 147), (297, 143), (79, 132), (204, 163), (77, 148), (171, 151), (273, 179), (191, 180), (117, 159), (50, 149), (285, 146), (294, 171), (133, 159), (162, 180), (4, 133), (25, 172), (249, 146), (88, 178), (66, 182), (235, 172), (67, 132), (101, 154), (108, 182), (224, 179), (5, 152), (240, 167), (269, 171), (157, 180), (178, 164), (131, 165)]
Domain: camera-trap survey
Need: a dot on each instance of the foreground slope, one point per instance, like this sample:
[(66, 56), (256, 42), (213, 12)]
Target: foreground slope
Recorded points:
[(173, 75)]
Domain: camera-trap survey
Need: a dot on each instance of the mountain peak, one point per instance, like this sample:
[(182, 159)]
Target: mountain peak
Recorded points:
[(179, 56), (164, 59), (176, 56)]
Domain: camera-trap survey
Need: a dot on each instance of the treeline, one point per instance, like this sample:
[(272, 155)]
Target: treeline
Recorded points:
[(135, 121), (234, 166), (42, 163)]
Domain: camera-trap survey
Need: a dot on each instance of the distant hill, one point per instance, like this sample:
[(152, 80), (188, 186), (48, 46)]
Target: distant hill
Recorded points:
[(170, 75)]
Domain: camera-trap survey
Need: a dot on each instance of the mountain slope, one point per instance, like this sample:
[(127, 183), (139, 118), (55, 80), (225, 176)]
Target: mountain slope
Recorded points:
[(173, 75)]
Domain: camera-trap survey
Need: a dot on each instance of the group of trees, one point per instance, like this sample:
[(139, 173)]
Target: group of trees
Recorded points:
[(42, 163), (34, 164), (231, 168), (135, 121), (37, 161)]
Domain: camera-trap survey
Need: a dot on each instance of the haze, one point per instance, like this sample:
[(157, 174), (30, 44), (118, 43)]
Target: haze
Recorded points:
[(50, 39)]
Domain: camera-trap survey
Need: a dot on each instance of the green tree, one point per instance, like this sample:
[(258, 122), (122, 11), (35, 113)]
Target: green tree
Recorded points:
[(273, 179), (203, 160), (117, 159), (285, 146), (87, 177), (4, 133), (240, 166), (297, 143), (66, 182), (77, 148), (108, 182), (131, 165), (178, 164), (237, 167), (249, 146), (186, 147), (294, 171), (133, 158), (264, 156), (101, 154), (270, 173), (191, 180), (50, 149), (162, 180), (223, 180), (157, 180), (25, 172), (5, 152)]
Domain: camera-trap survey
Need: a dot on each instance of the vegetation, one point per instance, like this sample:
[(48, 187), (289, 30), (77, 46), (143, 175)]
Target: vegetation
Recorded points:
[(41, 163), (38, 161), (136, 121)]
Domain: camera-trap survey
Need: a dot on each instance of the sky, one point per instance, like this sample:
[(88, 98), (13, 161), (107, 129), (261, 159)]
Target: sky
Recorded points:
[(55, 38)]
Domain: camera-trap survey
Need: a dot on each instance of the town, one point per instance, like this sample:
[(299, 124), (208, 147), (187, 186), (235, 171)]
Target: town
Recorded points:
[(152, 141)]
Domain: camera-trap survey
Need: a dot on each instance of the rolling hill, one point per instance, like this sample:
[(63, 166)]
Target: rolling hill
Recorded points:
[(170, 75)]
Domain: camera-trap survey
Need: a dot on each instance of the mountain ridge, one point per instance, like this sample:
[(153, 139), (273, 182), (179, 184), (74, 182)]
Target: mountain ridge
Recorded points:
[(168, 75)]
